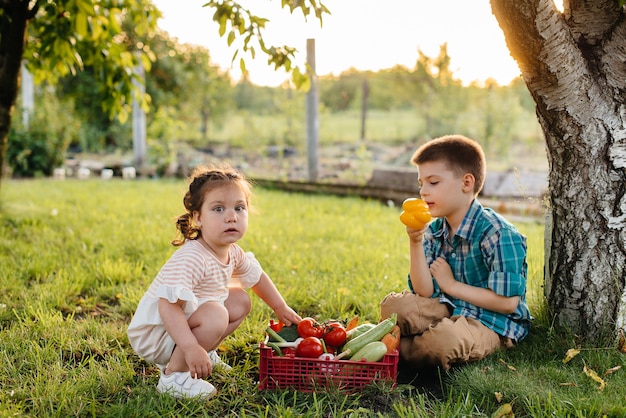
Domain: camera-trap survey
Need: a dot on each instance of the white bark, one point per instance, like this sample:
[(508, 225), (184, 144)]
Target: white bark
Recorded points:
[(574, 64)]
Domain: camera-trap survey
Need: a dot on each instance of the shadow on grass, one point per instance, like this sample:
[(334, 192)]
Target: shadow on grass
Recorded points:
[(427, 381)]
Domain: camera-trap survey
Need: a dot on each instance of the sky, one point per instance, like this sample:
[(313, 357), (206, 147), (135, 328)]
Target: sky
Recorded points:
[(361, 34)]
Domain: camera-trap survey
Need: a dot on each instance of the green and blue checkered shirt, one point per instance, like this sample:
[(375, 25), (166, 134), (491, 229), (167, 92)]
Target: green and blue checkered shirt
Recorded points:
[(489, 252)]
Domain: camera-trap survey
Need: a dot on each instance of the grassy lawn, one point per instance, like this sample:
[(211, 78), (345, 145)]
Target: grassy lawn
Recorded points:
[(76, 257)]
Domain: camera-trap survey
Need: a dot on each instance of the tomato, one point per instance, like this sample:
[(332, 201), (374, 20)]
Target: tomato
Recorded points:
[(334, 334), (288, 351), (276, 325), (309, 327), (310, 347)]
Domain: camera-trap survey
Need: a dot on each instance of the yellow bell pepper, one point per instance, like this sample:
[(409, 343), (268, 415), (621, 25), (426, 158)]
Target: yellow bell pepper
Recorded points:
[(415, 213)]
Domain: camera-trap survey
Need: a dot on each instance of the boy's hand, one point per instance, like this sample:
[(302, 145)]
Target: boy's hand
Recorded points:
[(441, 271), (416, 235)]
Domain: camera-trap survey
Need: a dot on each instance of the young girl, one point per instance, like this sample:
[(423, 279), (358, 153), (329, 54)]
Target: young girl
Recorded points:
[(198, 297)]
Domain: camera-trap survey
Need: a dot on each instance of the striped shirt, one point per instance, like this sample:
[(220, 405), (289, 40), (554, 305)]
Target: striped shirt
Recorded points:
[(193, 269), (489, 252), (194, 276)]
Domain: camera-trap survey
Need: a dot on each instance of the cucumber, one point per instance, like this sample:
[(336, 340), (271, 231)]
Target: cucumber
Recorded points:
[(374, 334), (372, 352), (359, 330), (276, 348)]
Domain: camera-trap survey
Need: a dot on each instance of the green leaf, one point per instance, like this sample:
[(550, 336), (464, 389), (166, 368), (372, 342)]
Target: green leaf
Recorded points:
[(96, 27), (81, 25), (300, 80), (113, 23), (236, 53), (86, 7)]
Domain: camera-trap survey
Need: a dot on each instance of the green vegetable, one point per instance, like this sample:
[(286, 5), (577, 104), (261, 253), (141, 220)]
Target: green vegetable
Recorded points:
[(275, 348), (359, 330), (290, 344), (289, 333), (374, 351), (274, 336), (374, 334)]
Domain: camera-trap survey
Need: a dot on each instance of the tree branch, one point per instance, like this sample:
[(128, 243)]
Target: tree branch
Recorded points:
[(613, 61), (516, 19), (591, 20)]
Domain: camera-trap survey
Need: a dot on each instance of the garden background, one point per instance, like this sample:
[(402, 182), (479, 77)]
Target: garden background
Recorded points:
[(77, 255)]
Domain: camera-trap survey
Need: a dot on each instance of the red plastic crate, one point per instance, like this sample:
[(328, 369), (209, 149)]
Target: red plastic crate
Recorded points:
[(307, 374)]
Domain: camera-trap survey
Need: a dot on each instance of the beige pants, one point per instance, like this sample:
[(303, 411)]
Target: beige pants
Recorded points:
[(430, 337)]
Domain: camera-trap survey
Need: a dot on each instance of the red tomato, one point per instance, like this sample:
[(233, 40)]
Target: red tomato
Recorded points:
[(309, 327), (334, 334), (276, 325), (288, 351), (332, 350), (310, 347)]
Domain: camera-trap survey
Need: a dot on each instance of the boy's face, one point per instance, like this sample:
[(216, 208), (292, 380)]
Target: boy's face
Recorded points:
[(445, 192)]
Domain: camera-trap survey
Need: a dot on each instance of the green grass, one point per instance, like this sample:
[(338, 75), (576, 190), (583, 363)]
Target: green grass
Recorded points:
[(76, 257)]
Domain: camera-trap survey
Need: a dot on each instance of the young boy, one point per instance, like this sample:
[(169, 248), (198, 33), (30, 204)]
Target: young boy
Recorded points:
[(468, 269)]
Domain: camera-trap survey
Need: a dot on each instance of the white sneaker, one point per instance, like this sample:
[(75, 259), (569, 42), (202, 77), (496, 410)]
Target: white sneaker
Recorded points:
[(217, 362), (182, 385)]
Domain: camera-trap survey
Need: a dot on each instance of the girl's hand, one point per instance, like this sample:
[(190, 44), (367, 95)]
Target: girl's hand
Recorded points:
[(287, 315), (198, 361)]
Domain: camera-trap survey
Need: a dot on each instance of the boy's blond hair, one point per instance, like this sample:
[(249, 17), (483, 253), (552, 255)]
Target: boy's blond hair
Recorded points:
[(461, 154)]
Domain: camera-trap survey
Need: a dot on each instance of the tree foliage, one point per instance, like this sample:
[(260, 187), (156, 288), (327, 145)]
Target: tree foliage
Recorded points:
[(60, 37), (67, 36), (41, 149), (244, 29)]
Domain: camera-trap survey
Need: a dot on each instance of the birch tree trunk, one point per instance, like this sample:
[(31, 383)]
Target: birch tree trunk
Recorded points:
[(574, 65)]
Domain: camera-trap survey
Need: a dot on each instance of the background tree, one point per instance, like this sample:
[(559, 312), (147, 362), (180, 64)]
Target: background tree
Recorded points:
[(183, 78), (56, 38), (101, 131), (42, 148), (340, 93), (574, 65)]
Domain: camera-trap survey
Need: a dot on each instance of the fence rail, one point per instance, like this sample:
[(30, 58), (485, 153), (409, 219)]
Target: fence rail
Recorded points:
[(522, 207)]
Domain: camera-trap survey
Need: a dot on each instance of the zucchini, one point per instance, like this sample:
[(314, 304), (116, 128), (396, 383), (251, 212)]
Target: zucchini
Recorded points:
[(274, 336), (359, 330), (372, 352), (374, 334)]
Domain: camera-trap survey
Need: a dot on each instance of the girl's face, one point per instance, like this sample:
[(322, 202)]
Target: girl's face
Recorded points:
[(444, 191), (223, 217)]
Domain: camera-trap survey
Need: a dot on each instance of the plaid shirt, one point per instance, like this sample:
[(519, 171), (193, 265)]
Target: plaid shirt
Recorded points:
[(488, 252)]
